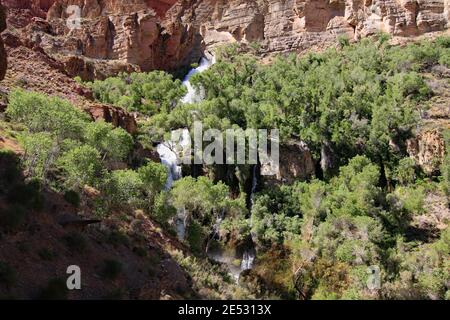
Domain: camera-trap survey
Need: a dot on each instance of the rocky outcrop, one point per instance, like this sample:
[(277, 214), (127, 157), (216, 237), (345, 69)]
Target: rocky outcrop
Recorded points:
[(31, 68), (3, 60), (22, 12), (117, 117), (428, 150), (296, 163), (129, 33)]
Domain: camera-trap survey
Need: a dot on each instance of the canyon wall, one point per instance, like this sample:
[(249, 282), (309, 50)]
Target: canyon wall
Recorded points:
[(3, 60), (289, 25), (120, 35)]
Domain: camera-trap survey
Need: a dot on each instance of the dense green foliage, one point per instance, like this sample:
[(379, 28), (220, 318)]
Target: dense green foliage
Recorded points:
[(64, 149), (148, 93)]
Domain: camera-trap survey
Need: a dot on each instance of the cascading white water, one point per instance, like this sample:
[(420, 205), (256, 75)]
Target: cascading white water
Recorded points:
[(193, 96), (216, 229), (248, 258), (168, 154)]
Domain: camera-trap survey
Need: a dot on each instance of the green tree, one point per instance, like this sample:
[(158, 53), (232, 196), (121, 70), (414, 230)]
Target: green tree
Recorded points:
[(154, 177), (113, 143), (40, 154), (406, 171), (124, 188), (81, 166), (41, 113)]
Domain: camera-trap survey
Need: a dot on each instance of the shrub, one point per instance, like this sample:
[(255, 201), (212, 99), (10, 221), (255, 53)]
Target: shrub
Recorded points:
[(111, 269), (195, 237), (148, 93), (343, 40), (81, 166), (27, 195), (413, 199), (154, 177), (41, 113), (443, 42), (75, 242), (406, 171), (112, 143), (163, 211), (445, 60), (124, 188), (445, 167), (10, 170), (13, 217), (41, 151), (47, 254)]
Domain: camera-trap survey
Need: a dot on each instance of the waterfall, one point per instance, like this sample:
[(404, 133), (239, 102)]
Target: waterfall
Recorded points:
[(216, 229), (169, 150), (193, 96), (248, 258), (169, 154)]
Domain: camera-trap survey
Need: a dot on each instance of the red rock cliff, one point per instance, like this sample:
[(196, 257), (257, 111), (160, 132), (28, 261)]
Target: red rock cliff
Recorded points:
[(3, 62), (126, 35)]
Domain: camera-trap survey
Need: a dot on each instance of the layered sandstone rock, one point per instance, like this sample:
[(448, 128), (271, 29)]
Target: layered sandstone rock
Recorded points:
[(298, 24), (115, 116), (167, 34), (127, 32)]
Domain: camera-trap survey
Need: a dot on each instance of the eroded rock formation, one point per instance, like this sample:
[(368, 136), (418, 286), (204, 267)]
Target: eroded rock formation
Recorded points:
[(115, 116), (297, 24), (129, 33), (167, 34), (3, 60), (31, 68)]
